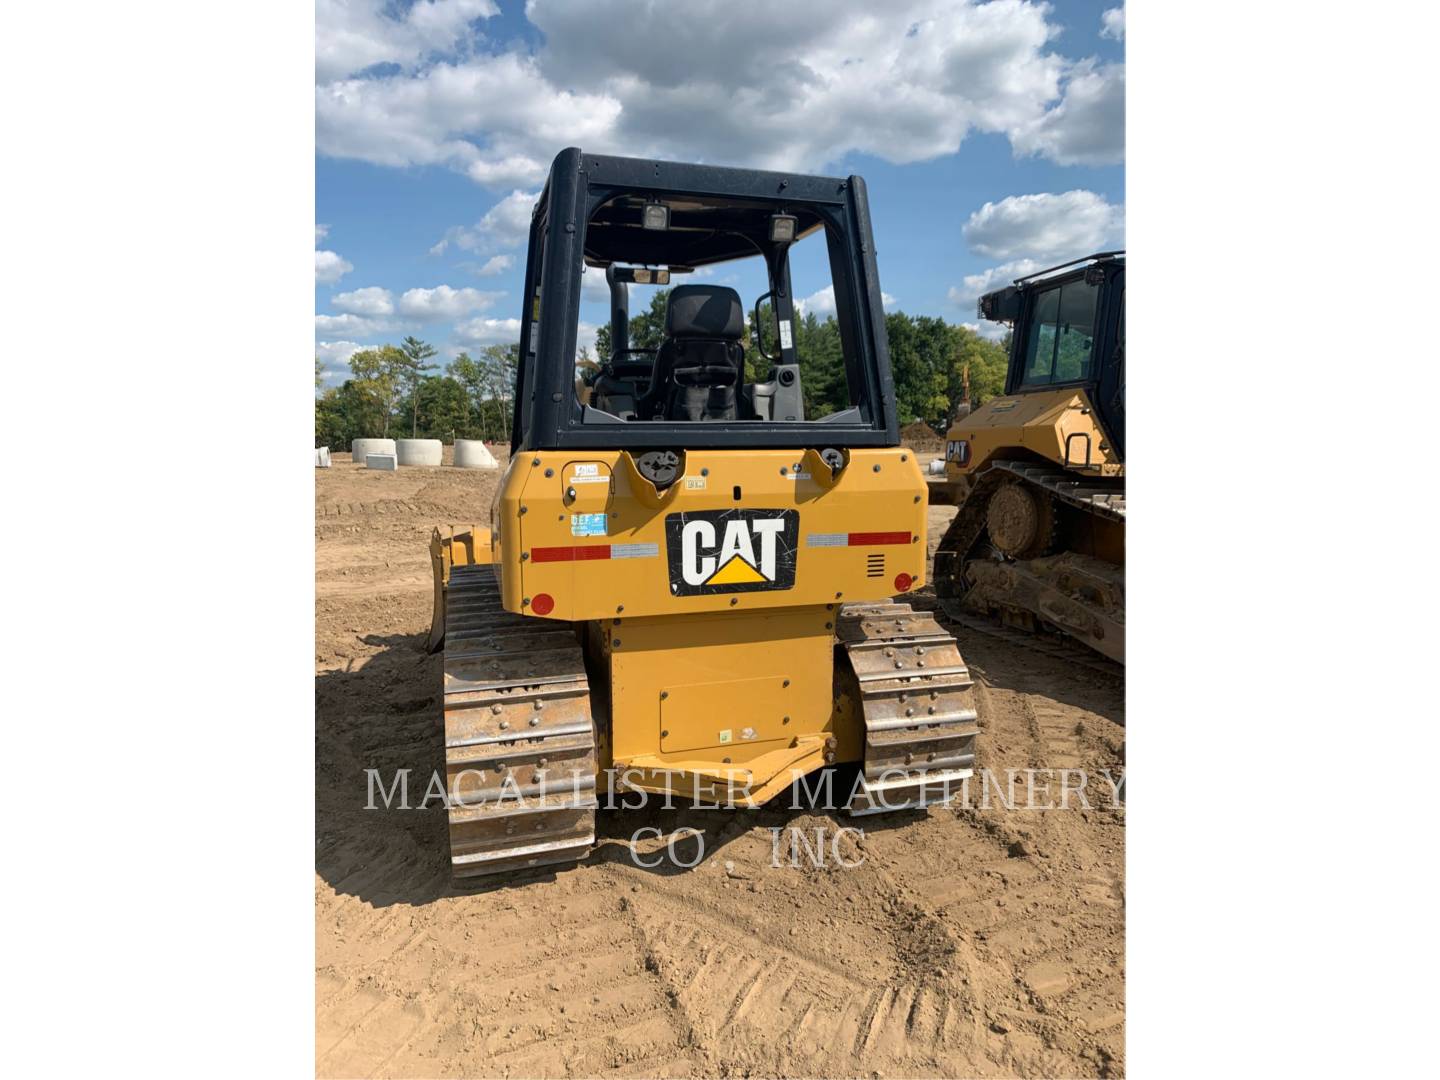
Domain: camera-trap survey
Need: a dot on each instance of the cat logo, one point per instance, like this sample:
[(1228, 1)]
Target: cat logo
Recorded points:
[(729, 551)]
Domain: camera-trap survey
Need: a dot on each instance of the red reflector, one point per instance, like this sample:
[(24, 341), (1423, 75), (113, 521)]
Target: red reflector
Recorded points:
[(543, 604), (903, 582), (570, 554), (875, 538)]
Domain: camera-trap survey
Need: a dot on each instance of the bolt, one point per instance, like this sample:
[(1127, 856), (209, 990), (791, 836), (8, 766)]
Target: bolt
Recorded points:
[(877, 468), (733, 601), (539, 705), (838, 595), (725, 761), (910, 711), (664, 734), (829, 625), (903, 457), (889, 652), (535, 462), (504, 724), (524, 509), (525, 602), (495, 709), (542, 763), (829, 756), (619, 608), (664, 694), (909, 758), (534, 721), (898, 664), (704, 472), (524, 556), (830, 742), (785, 720), (917, 498), (615, 643), (785, 683), (500, 766), (919, 663), (549, 472), (782, 470)]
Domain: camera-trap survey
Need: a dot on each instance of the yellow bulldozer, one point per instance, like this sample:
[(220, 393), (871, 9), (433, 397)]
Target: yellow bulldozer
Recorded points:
[(1039, 473), (687, 582)]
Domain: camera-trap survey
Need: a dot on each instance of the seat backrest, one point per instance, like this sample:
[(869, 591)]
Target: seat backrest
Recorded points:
[(701, 363)]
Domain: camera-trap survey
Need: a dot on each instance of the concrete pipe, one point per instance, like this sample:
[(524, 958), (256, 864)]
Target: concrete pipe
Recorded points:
[(474, 454), (360, 447), (419, 451)]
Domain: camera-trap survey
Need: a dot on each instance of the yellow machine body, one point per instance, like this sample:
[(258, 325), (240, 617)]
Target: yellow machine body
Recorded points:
[(1058, 426), (730, 693)]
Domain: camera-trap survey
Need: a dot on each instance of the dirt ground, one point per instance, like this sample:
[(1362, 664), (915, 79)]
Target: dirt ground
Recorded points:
[(969, 942)]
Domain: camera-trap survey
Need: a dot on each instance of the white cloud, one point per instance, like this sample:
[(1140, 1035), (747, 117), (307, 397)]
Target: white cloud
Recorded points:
[(822, 303), (320, 232), (990, 331), (1088, 126), (352, 326), (496, 264), (974, 286), (747, 82), (443, 302), (369, 301), (488, 331), (332, 354), (1112, 24), (330, 267), (351, 35), (505, 225), (1044, 226)]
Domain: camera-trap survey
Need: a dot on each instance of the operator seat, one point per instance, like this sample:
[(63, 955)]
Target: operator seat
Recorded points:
[(701, 363)]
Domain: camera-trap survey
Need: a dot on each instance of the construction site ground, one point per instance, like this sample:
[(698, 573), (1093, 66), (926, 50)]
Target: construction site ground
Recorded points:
[(968, 942)]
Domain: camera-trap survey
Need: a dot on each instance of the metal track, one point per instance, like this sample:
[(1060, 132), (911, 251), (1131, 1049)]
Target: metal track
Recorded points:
[(916, 698), (1054, 646), (1103, 496), (519, 736)]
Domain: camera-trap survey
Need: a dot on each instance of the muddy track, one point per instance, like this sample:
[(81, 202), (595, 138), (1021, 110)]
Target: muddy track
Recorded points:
[(966, 942)]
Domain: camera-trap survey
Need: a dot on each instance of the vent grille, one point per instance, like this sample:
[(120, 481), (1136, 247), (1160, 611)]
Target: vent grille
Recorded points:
[(875, 565)]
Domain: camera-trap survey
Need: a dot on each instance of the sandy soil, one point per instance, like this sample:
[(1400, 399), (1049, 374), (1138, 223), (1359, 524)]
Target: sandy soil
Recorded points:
[(970, 942)]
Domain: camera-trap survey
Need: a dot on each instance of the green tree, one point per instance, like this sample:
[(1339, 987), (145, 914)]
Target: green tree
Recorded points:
[(377, 374), (647, 329), (464, 370), (412, 372)]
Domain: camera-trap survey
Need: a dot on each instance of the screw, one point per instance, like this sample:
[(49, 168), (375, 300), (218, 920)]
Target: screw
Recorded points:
[(664, 694), (549, 472), (733, 601), (704, 472), (785, 720), (877, 468), (619, 608), (903, 457), (782, 470), (785, 683), (838, 595), (664, 734), (524, 509), (525, 602), (524, 556)]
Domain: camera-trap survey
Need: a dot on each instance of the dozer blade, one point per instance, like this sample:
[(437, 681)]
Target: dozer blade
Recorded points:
[(455, 546)]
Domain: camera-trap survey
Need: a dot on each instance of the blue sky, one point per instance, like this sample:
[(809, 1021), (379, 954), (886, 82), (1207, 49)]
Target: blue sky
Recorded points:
[(991, 136)]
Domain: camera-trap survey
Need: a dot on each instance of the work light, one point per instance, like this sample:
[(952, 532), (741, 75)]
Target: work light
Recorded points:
[(782, 228), (656, 216)]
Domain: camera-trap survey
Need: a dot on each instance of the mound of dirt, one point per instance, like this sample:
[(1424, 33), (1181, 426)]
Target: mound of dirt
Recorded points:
[(921, 436)]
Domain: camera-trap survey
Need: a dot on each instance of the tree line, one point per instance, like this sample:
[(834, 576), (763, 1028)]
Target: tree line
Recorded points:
[(936, 366)]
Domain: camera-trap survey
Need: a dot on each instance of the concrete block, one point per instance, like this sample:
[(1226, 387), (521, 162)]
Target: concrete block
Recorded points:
[(381, 461), (419, 451), (360, 447), (322, 457), (474, 454)]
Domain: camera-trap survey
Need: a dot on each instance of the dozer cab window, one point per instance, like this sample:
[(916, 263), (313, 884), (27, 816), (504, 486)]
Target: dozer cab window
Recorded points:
[(760, 336), (1060, 338)]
